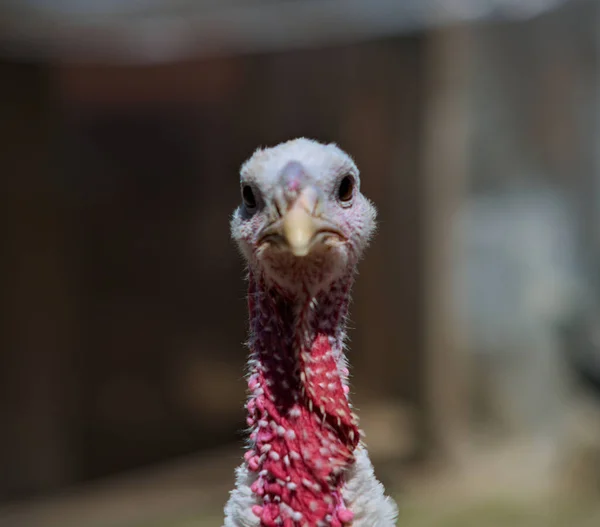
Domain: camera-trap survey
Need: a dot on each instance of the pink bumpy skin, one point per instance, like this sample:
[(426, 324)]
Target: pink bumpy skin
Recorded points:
[(302, 227)]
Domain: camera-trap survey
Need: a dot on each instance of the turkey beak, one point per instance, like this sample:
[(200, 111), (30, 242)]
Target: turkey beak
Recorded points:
[(298, 230), (300, 224)]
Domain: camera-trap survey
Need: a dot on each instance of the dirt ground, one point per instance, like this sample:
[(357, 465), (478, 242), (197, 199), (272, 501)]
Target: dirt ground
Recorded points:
[(503, 490), (483, 514)]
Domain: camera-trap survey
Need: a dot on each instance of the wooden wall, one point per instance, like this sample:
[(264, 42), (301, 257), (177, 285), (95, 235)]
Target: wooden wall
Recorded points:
[(147, 309), (38, 323)]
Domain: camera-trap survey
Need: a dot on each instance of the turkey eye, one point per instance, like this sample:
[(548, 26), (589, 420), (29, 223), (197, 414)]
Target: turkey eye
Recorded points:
[(346, 189), (248, 197)]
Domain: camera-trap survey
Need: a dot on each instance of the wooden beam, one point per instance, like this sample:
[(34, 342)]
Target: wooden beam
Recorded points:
[(150, 32), (444, 169)]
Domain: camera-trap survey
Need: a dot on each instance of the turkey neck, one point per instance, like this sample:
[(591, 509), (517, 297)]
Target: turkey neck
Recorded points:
[(303, 430)]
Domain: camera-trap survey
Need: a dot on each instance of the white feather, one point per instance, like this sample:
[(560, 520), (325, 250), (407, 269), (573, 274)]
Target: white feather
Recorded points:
[(364, 495), (238, 511)]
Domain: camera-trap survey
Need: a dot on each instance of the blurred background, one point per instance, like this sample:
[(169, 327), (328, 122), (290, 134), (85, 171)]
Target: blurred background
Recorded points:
[(475, 341)]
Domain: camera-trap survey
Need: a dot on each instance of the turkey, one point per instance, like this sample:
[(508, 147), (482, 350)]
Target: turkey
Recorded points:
[(302, 226)]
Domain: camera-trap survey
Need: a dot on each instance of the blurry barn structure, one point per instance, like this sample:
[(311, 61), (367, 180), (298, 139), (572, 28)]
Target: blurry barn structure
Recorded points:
[(123, 300)]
